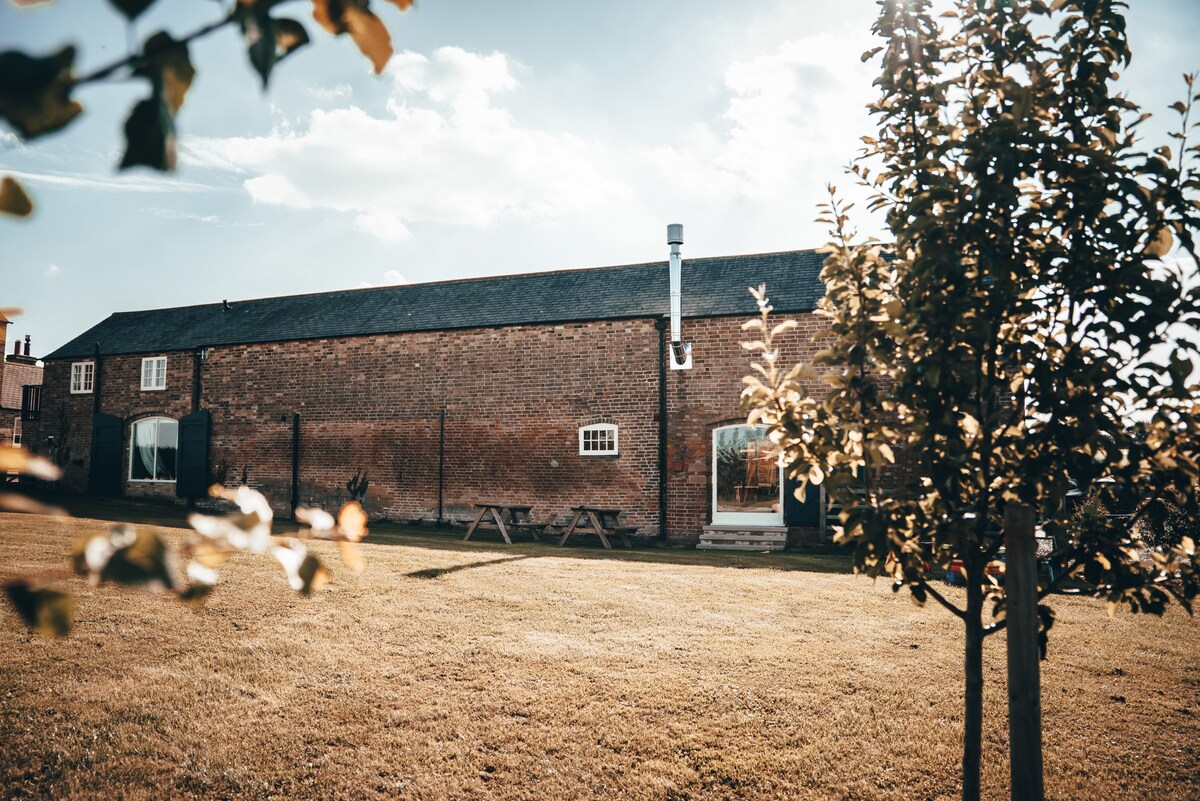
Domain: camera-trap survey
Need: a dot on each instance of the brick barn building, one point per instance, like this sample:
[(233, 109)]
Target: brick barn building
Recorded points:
[(552, 389)]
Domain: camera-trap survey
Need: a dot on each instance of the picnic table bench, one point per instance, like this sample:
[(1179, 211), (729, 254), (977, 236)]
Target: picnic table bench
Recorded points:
[(599, 521), (505, 517)]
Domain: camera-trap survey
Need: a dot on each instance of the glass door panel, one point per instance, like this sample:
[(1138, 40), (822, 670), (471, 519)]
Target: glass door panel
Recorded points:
[(746, 477)]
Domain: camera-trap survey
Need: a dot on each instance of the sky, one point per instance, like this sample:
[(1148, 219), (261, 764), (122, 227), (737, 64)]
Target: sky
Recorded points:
[(501, 138)]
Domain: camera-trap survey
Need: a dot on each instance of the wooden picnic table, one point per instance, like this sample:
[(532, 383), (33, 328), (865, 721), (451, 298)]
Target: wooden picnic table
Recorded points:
[(517, 517), (599, 521)]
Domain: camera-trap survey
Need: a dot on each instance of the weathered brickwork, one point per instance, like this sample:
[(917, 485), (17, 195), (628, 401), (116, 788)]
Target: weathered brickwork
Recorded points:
[(513, 398)]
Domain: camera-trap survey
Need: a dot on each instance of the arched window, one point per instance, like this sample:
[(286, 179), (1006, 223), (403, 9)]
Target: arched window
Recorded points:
[(598, 440), (153, 444)]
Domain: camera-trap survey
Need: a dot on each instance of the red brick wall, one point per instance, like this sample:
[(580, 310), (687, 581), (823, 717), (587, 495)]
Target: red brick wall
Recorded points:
[(514, 400)]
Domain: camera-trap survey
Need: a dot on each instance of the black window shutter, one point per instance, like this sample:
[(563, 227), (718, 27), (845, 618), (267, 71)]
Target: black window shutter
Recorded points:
[(108, 448), (192, 479)]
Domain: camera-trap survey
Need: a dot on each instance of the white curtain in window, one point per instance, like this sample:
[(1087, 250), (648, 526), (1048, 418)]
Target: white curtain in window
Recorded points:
[(142, 454)]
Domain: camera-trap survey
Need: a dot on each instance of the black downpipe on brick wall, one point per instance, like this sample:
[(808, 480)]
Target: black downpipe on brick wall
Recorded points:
[(197, 358), (441, 461), (661, 325), (295, 463), (96, 379)]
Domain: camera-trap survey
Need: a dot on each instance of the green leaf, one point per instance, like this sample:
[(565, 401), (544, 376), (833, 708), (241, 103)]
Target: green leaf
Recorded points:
[(48, 612), (35, 92), (270, 40), (259, 30), (150, 136), (132, 9), (13, 199), (290, 36), (169, 68), (1161, 244)]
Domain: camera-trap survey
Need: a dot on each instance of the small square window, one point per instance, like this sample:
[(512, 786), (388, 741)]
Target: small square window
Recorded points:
[(83, 376), (598, 440), (154, 372)]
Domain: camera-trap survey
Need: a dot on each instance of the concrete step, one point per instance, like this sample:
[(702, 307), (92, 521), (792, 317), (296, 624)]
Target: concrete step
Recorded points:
[(743, 538)]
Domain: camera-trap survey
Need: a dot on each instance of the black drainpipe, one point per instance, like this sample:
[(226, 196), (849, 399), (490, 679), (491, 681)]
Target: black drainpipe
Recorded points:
[(96, 379), (295, 463), (661, 325), (441, 460), (197, 358)]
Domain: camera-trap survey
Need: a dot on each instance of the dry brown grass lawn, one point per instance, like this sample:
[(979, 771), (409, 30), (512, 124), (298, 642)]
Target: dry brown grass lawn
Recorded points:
[(534, 674)]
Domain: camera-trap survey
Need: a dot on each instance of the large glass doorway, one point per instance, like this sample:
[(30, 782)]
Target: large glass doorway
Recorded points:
[(746, 478)]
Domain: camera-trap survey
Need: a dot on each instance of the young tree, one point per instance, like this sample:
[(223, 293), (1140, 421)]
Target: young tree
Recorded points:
[(1015, 340)]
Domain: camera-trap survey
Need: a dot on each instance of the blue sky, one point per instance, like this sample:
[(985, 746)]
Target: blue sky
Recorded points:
[(502, 138)]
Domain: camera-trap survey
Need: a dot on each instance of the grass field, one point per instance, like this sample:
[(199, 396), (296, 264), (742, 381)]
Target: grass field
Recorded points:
[(479, 671)]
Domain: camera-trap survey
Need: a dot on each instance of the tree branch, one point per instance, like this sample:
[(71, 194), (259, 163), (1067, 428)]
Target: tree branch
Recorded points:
[(136, 59), (941, 599)]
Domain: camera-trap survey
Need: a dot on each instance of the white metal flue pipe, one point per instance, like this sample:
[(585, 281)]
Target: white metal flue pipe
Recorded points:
[(675, 239), (680, 352)]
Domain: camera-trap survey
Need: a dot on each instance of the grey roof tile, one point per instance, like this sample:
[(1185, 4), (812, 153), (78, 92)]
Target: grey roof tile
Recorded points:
[(712, 287)]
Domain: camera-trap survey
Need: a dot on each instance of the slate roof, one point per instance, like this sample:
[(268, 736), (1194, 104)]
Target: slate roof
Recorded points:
[(712, 287), (16, 376)]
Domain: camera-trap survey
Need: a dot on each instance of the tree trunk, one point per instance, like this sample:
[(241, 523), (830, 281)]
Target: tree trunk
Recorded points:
[(1024, 683), (973, 668)]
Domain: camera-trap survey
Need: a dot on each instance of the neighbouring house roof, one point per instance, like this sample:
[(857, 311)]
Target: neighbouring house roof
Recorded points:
[(16, 376), (712, 287)]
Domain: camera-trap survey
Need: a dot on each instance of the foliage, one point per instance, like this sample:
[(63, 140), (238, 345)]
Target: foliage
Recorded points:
[(133, 557), (1166, 525), (357, 485), (998, 349), (37, 92)]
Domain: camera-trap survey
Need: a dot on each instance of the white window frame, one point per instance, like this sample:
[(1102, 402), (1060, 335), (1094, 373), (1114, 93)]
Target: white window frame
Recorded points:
[(154, 386), (595, 427), (85, 372), (764, 519), (17, 433), (133, 444)]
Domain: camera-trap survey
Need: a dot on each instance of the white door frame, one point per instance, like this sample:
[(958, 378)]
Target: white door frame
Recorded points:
[(740, 518)]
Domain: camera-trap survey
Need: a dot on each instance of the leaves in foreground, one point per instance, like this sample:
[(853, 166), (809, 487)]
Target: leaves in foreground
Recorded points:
[(48, 612), (13, 199), (35, 92), (132, 557), (150, 128)]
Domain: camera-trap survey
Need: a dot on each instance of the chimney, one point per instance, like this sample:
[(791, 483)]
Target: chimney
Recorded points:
[(681, 352), (27, 344), (16, 347)]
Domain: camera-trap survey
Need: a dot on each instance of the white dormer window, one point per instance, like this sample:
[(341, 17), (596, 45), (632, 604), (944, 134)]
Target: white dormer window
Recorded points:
[(154, 372), (598, 440), (83, 377)]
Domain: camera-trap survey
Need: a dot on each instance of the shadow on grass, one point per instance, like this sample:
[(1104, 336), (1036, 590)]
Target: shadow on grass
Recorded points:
[(162, 513), (438, 572)]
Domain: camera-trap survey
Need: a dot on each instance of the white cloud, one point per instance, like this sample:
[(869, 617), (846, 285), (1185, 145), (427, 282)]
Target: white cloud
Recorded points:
[(175, 214), (446, 152), (123, 183), (327, 93), (53, 271), (389, 278)]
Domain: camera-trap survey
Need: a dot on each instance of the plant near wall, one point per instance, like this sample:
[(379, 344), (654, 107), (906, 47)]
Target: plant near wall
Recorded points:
[(1025, 313), (357, 485), (38, 92)]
